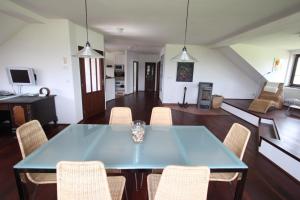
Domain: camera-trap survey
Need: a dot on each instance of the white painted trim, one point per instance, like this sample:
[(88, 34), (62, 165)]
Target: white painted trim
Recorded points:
[(252, 119), (282, 160), (267, 121)]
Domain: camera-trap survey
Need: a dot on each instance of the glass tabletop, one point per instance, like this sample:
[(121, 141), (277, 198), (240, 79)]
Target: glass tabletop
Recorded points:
[(113, 145)]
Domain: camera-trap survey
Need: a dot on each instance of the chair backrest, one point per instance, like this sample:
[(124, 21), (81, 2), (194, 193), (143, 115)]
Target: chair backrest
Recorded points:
[(30, 137), (178, 182), (161, 116), (237, 139), (278, 96), (82, 181), (120, 115)]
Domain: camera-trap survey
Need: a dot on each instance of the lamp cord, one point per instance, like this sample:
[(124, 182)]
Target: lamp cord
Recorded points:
[(86, 22), (186, 21)]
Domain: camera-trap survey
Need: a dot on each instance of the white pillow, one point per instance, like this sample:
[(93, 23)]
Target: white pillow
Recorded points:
[(272, 84), (270, 89)]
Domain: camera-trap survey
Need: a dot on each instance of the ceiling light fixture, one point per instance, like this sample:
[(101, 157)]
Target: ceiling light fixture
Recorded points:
[(87, 51), (184, 56)]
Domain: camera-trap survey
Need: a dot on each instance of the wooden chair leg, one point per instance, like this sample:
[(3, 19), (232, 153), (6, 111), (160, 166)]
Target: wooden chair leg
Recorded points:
[(34, 191), (142, 179)]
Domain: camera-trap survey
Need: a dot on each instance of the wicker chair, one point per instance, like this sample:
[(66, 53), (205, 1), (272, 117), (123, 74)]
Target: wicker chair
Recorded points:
[(161, 116), (120, 116), (178, 182), (30, 137), (267, 100), (236, 140), (87, 180)]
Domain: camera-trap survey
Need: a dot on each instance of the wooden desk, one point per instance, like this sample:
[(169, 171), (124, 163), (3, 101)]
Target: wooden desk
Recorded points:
[(24, 108)]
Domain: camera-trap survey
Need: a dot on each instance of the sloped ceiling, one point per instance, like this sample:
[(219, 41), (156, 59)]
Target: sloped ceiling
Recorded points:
[(157, 22), (12, 25)]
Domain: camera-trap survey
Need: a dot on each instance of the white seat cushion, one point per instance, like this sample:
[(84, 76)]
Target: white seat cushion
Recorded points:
[(270, 89)]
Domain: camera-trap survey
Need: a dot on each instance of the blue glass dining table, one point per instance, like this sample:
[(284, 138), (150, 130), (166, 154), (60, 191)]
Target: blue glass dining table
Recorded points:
[(113, 145)]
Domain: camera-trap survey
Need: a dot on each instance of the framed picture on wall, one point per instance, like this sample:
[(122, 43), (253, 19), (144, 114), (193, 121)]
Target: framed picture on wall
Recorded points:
[(185, 72)]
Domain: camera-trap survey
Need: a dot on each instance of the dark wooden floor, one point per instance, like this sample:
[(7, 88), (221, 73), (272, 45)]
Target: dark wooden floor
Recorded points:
[(265, 181)]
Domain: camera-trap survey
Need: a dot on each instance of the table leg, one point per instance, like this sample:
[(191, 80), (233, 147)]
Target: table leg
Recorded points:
[(240, 186), (19, 185)]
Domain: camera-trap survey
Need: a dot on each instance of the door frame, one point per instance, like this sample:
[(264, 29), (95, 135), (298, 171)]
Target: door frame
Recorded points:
[(136, 76), (146, 63), (82, 80), (157, 75)]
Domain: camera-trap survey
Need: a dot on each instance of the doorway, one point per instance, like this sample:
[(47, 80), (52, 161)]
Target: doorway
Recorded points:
[(150, 76), (92, 85), (135, 76), (158, 77)]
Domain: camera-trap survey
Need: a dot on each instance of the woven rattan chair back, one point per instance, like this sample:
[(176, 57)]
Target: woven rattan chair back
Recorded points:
[(30, 137), (161, 116), (121, 116), (237, 139), (82, 181), (178, 182)]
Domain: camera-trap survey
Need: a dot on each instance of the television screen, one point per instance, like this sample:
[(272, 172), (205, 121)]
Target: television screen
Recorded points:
[(20, 76)]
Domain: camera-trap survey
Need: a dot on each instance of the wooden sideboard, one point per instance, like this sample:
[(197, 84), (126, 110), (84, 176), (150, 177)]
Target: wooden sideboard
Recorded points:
[(25, 108)]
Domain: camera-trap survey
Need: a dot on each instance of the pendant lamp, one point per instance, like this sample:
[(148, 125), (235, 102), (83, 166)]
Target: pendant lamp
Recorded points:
[(87, 51), (184, 56)]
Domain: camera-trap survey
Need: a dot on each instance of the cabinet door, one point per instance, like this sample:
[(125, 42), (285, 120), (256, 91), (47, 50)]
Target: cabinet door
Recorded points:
[(120, 59)]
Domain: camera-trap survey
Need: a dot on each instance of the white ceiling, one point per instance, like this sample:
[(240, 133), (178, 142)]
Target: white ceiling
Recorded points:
[(149, 24)]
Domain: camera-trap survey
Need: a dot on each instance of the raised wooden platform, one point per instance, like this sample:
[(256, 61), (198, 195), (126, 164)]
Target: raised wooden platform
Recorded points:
[(192, 109), (287, 127)]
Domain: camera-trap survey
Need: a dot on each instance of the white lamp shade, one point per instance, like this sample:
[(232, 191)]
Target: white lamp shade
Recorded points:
[(88, 52), (184, 56)]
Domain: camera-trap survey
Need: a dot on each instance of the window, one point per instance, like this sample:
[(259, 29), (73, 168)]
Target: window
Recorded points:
[(295, 79), (92, 75)]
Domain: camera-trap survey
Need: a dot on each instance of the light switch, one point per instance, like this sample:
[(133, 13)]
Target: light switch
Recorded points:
[(65, 59)]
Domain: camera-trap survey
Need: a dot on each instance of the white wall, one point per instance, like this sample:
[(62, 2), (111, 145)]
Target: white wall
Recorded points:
[(228, 79), (43, 47), (262, 60), (142, 59), (48, 48)]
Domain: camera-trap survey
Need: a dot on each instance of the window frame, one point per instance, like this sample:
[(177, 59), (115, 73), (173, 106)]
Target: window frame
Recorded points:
[(296, 60)]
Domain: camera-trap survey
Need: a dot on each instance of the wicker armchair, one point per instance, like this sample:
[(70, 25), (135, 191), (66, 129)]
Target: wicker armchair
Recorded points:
[(267, 99), (178, 182), (30, 137), (120, 116), (87, 180), (236, 140), (161, 116)]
